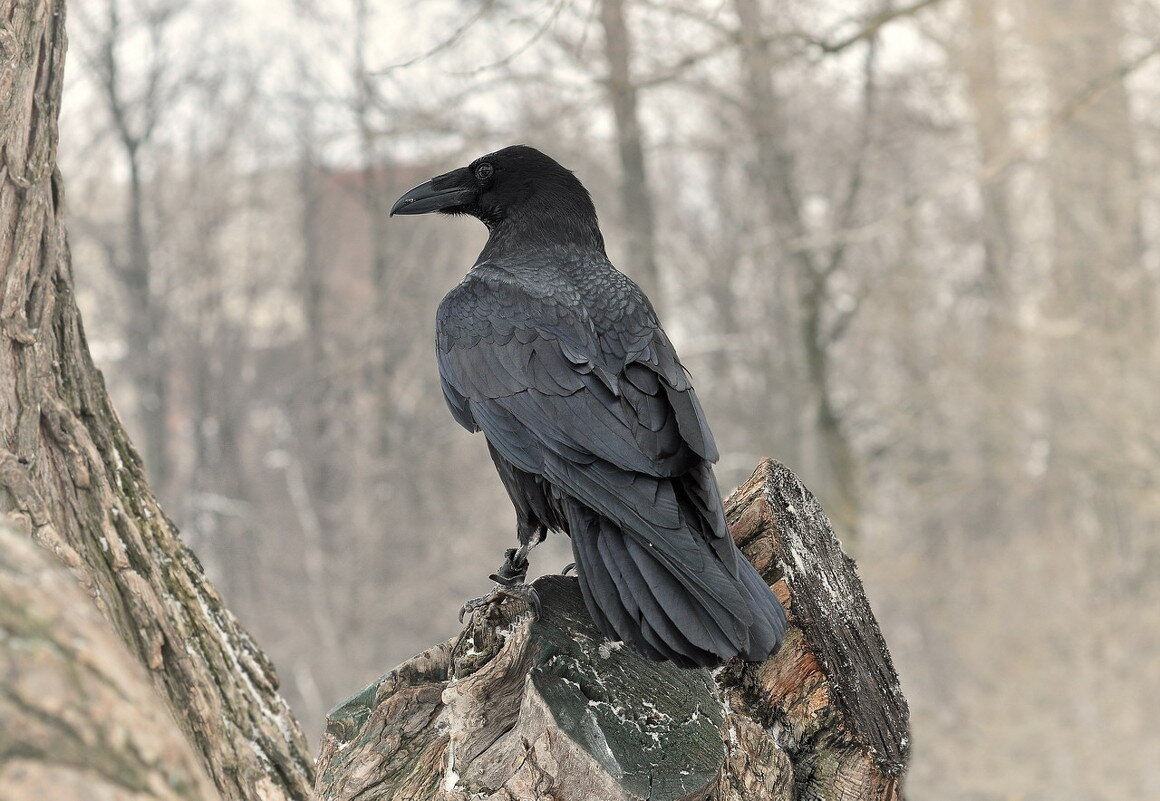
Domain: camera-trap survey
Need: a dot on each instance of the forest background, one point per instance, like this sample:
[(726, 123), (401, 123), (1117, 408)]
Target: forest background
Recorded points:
[(911, 249)]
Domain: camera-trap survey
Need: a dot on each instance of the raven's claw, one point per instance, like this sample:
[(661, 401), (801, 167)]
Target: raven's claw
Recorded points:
[(518, 592), (513, 571), (568, 568)]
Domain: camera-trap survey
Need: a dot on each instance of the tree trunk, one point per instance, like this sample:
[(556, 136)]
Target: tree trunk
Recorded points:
[(1001, 437), (1101, 309), (802, 290), (773, 175), (1094, 173), (515, 708), (146, 337), (635, 197), (70, 477)]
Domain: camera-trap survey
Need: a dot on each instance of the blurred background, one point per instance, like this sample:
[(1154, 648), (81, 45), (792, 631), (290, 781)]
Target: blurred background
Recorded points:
[(911, 248)]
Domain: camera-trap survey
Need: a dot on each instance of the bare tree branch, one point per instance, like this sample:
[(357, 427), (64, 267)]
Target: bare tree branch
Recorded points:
[(447, 43), (875, 228), (869, 28)]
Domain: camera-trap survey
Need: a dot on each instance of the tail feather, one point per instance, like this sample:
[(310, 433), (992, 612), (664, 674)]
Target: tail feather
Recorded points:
[(607, 582), (656, 622), (698, 619), (666, 610), (768, 627), (599, 586)]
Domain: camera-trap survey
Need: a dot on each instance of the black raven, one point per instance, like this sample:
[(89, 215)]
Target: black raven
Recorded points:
[(590, 418)]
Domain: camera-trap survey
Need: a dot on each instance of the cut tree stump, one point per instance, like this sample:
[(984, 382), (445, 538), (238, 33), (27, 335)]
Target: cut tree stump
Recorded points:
[(515, 708)]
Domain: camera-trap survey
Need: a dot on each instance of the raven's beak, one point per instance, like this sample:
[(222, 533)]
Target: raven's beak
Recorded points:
[(444, 192)]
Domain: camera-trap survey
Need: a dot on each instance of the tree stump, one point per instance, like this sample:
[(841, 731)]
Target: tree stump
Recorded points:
[(515, 708)]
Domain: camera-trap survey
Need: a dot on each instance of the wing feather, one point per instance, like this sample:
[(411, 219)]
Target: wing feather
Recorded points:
[(541, 360)]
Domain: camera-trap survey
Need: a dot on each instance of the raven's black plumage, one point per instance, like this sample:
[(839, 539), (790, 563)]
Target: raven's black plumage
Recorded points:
[(590, 418)]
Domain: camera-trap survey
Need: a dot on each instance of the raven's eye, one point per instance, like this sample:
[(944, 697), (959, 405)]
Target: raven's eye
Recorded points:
[(484, 171)]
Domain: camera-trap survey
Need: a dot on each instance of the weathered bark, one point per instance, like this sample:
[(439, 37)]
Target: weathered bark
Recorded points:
[(515, 708), (79, 717), (835, 688), (70, 477)]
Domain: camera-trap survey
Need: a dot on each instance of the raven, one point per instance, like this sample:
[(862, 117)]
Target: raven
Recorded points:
[(590, 418)]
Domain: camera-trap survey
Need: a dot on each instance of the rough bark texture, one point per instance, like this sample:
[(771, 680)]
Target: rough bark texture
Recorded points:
[(832, 684), (516, 708), (79, 717), (70, 477)]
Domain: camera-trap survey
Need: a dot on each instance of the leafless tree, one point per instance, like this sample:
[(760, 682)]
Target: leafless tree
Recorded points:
[(635, 191), (134, 99)]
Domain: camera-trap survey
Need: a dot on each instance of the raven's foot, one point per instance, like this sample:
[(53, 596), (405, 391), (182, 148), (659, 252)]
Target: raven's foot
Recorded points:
[(493, 600), (514, 569)]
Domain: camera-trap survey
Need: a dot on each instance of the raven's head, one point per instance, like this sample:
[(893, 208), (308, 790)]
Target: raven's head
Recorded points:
[(517, 188)]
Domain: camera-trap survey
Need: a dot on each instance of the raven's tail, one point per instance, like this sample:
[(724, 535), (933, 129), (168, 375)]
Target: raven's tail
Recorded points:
[(695, 616)]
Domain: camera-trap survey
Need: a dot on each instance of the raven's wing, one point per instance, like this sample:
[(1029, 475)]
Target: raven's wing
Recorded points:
[(603, 421), (622, 397)]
